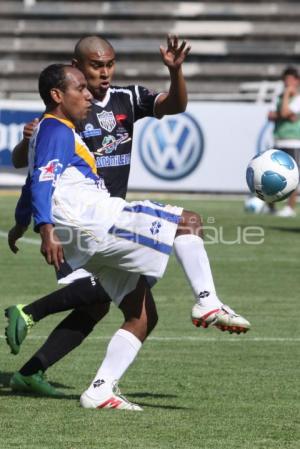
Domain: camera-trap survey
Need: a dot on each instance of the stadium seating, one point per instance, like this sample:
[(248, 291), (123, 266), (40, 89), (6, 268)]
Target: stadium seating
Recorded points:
[(234, 43)]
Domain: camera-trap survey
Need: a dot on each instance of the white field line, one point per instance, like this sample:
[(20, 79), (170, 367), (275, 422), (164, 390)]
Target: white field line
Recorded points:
[(23, 239), (236, 339)]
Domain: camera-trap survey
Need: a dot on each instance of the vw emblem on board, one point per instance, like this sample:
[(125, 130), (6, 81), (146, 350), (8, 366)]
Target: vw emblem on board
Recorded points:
[(171, 148)]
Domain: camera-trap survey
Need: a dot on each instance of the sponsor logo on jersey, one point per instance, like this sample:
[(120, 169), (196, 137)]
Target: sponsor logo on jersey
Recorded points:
[(51, 171), (121, 117), (113, 161), (90, 131), (171, 148), (110, 143), (107, 120)]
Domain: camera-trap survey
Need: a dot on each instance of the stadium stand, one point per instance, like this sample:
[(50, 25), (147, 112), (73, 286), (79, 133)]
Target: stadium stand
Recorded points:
[(238, 48)]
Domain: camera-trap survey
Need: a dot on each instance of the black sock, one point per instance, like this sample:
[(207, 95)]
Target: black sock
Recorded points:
[(65, 337), (84, 291)]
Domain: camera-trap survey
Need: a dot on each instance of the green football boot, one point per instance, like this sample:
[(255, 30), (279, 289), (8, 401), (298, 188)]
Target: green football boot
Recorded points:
[(19, 324), (36, 383)]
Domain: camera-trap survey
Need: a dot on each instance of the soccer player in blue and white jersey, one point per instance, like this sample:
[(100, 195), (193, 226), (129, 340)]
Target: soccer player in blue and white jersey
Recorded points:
[(115, 240), (108, 132)]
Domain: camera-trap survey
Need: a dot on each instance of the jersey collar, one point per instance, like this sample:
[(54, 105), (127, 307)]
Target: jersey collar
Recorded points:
[(105, 100), (68, 123)]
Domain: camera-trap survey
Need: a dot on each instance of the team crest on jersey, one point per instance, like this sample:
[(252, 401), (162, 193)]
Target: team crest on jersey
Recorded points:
[(107, 120), (51, 171), (155, 227)]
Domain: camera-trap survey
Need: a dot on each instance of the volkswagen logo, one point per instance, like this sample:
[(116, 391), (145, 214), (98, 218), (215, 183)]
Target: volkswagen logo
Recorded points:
[(171, 148)]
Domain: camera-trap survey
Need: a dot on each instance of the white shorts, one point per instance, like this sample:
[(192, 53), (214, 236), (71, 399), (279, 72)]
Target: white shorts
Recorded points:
[(139, 242)]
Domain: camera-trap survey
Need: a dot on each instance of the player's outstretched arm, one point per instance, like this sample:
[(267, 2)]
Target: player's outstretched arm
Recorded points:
[(20, 152), (173, 56)]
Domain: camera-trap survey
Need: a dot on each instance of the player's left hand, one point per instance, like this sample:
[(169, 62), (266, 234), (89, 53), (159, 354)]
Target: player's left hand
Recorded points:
[(174, 55), (51, 248), (14, 234)]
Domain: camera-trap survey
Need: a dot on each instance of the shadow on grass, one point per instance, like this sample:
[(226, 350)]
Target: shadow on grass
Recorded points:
[(151, 395), (284, 229), (165, 407), (134, 396)]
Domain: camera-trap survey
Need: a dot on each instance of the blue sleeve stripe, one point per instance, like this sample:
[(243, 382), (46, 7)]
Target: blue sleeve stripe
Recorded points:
[(141, 240), (158, 213)]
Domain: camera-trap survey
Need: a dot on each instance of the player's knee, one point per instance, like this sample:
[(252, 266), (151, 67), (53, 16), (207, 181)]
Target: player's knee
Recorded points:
[(191, 223), (97, 311)]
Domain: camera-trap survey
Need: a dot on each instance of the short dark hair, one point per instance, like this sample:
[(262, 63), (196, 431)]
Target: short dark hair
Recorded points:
[(290, 70), (51, 77)]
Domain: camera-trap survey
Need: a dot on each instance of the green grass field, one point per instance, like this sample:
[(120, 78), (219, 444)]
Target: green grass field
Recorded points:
[(199, 388)]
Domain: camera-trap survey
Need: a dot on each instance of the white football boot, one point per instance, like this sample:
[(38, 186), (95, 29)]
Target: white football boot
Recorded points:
[(221, 316), (110, 398)]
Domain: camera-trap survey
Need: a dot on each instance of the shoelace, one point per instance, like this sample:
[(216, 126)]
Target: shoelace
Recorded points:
[(41, 376), (116, 390), (228, 310), (29, 322)]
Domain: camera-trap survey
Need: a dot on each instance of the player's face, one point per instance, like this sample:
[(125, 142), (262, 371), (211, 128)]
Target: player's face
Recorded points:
[(76, 99), (292, 82), (98, 68)]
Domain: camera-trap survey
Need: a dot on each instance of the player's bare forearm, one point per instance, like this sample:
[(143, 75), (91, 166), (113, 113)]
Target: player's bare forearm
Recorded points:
[(20, 154), (175, 101), (173, 56)]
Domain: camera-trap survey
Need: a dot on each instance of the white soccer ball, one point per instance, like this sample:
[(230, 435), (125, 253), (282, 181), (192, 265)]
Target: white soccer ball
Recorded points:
[(272, 176), (254, 205)]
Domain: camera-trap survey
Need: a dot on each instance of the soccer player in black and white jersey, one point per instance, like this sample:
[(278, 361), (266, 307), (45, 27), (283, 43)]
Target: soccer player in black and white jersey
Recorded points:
[(108, 129), (108, 133)]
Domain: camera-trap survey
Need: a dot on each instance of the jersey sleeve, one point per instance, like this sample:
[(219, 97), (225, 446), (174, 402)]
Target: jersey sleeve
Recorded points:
[(23, 210), (53, 152), (144, 101)]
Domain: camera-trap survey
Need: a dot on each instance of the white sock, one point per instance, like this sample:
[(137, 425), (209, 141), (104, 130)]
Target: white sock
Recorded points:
[(191, 254), (121, 352)]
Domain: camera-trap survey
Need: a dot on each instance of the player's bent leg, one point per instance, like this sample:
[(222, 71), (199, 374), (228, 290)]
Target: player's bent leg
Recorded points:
[(21, 318), (139, 311), (140, 315), (190, 251)]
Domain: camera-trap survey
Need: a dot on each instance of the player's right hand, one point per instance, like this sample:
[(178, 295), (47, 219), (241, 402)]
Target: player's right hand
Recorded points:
[(14, 234), (51, 248), (29, 128)]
